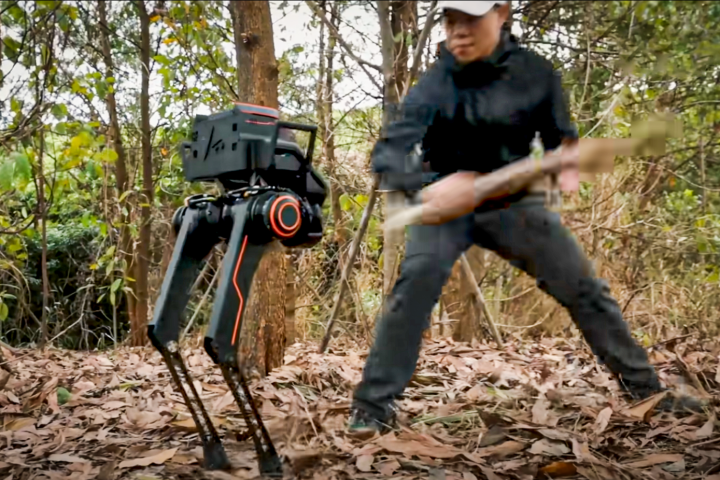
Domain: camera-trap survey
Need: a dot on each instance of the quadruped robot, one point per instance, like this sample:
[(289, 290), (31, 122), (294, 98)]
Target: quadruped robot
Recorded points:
[(270, 193)]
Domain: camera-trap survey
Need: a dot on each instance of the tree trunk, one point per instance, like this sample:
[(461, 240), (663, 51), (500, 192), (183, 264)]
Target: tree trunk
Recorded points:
[(43, 260), (139, 337), (404, 26), (290, 299), (469, 314), (393, 200), (329, 130), (125, 249), (325, 116), (263, 338)]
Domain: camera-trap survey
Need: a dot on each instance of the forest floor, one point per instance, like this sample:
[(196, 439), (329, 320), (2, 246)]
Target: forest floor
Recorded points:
[(531, 410)]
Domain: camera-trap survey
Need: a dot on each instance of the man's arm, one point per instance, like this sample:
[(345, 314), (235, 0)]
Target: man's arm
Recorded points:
[(557, 128), (395, 156)]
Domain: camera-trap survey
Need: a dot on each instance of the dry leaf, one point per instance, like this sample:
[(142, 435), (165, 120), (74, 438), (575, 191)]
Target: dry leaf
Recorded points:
[(114, 405), (469, 476), (643, 410), (474, 393), (540, 414), (655, 459), (20, 424), (494, 435), (555, 434), (559, 469), (602, 420), (436, 474), (549, 447), (157, 459), (388, 468), (489, 474), (421, 445), (502, 450), (706, 430), (597, 472), (582, 452), (107, 471), (67, 458), (364, 462), (183, 459)]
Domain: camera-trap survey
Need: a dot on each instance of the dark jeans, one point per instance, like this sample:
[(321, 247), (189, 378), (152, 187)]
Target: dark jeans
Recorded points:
[(532, 239)]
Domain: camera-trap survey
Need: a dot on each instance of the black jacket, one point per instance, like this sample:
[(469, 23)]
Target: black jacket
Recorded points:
[(477, 117)]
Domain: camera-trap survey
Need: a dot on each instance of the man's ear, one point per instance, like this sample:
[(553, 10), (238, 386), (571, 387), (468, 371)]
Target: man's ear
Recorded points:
[(504, 12)]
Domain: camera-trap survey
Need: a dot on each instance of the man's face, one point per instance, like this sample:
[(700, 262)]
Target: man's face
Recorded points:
[(472, 38)]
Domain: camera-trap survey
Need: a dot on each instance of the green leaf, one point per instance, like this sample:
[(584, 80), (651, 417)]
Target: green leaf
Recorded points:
[(22, 166), (3, 311), (63, 396), (11, 48), (15, 105), (6, 176), (59, 110), (345, 203), (108, 155), (116, 285)]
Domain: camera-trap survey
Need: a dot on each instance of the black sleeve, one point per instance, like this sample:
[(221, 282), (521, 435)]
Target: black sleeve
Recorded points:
[(558, 126), (394, 155)]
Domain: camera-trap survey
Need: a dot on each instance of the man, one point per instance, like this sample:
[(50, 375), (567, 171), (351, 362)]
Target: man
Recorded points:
[(477, 109)]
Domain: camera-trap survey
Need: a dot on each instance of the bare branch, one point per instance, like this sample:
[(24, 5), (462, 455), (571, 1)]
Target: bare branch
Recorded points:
[(430, 22), (334, 32)]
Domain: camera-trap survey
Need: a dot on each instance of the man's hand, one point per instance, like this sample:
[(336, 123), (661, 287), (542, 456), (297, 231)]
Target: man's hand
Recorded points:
[(456, 195), (569, 177), (453, 195)]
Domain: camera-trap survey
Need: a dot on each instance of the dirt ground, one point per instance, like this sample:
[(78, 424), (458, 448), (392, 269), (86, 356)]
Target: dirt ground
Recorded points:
[(528, 411)]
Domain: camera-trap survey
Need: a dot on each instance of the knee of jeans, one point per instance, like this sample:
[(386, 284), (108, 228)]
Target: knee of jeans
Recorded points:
[(421, 278), (594, 291), (421, 266)]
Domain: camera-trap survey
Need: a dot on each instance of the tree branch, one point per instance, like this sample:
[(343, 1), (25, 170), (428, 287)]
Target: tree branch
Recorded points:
[(430, 21), (334, 32)]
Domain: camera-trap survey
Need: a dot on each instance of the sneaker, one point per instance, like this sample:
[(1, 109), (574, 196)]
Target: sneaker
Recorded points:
[(679, 403), (363, 424), (674, 402)]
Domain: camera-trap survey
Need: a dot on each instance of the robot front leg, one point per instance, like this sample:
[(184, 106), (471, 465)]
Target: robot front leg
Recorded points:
[(195, 240), (223, 335)]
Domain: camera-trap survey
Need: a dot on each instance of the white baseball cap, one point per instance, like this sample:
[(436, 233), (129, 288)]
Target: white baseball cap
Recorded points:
[(475, 8)]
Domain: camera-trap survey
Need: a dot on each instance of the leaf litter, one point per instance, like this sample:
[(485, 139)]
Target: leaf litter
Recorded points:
[(471, 411)]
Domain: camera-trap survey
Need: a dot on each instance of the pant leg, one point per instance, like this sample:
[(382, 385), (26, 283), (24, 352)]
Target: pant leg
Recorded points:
[(534, 240), (431, 252)]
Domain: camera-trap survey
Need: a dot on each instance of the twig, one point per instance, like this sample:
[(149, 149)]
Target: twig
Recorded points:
[(8, 347), (417, 55), (481, 300), (202, 302), (350, 261), (334, 32), (665, 342)]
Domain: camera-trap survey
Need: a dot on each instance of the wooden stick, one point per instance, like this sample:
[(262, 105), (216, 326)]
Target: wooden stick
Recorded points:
[(481, 301), (354, 248), (505, 181)]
